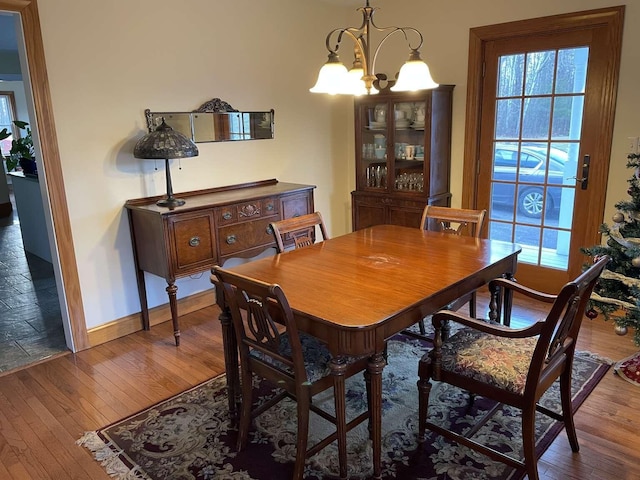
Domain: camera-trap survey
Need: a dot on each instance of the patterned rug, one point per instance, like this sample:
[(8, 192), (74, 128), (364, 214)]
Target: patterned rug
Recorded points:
[(189, 436)]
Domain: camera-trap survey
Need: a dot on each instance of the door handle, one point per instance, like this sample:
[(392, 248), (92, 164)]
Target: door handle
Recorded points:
[(584, 181)]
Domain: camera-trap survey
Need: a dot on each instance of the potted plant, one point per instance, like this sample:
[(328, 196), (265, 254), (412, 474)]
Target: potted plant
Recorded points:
[(21, 152)]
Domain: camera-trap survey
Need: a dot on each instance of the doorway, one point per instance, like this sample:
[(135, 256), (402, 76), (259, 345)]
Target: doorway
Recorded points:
[(31, 327), (58, 223), (538, 137)]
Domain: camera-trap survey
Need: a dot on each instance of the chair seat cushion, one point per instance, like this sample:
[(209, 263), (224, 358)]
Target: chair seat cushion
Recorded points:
[(315, 353), (502, 362)]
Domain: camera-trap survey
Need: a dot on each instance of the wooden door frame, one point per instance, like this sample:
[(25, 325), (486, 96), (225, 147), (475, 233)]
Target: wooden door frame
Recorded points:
[(53, 178), (611, 17)]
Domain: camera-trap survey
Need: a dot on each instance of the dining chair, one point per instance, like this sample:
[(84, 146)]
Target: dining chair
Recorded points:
[(272, 348), (457, 221), (510, 366), (301, 229), (453, 220)]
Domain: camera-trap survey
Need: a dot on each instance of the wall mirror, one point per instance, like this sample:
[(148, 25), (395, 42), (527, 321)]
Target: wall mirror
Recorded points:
[(216, 121)]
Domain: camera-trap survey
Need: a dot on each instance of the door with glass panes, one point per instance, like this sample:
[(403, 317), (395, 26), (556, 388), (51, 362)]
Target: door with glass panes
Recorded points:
[(542, 159)]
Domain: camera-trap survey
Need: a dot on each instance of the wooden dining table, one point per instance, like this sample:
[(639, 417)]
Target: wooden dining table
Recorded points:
[(355, 291)]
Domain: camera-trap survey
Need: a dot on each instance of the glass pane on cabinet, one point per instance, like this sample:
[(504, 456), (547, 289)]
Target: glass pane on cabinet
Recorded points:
[(403, 115)]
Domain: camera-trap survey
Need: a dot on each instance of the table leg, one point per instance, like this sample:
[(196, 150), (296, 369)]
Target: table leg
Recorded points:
[(172, 289), (338, 366), (374, 368)]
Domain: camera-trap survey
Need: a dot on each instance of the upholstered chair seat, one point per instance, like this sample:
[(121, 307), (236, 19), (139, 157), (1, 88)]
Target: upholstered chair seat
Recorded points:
[(315, 355), (499, 361)]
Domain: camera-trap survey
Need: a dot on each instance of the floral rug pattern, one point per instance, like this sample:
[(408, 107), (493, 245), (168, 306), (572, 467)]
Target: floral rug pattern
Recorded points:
[(190, 436)]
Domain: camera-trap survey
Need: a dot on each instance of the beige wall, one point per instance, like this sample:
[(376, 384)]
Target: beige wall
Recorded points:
[(108, 61)]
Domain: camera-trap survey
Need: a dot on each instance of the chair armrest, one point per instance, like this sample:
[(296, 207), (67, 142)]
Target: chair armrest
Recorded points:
[(492, 328), (516, 287)]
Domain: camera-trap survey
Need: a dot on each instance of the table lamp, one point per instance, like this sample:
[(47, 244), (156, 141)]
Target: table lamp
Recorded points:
[(165, 143)]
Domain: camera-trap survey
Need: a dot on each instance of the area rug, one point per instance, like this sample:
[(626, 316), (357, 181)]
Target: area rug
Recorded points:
[(629, 368), (190, 436)]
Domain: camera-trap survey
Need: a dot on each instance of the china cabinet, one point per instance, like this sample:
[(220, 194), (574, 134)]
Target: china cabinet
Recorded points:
[(403, 155)]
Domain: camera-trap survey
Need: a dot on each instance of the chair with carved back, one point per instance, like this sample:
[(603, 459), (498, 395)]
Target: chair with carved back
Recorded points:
[(271, 348), (457, 221), (510, 366), (301, 229)]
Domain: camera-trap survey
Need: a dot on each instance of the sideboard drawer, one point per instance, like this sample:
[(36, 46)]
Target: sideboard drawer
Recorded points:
[(242, 236), (193, 241), (246, 211)]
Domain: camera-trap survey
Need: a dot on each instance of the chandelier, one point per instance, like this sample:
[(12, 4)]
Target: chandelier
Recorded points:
[(334, 78)]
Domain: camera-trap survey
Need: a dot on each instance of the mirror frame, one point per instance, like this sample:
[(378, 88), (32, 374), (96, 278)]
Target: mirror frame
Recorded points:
[(216, 121)]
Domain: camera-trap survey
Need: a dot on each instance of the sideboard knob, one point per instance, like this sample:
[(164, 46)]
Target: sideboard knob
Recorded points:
[(194, 241)]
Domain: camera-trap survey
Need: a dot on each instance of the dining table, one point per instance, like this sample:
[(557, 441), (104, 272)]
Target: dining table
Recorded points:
[(355, 291)]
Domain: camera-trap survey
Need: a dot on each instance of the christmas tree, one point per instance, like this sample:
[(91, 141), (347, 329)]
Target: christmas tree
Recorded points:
[(617, 294)]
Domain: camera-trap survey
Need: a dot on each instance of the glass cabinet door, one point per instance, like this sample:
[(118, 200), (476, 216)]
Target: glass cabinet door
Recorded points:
[(375, 145), (408, 121)]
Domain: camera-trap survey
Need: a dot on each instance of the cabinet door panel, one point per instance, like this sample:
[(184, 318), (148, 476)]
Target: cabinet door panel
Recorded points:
[(405, 216), (368, 215), (296, 205)]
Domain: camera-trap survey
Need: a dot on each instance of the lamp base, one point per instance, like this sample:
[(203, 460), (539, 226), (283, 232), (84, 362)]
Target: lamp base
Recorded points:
[(170, 202)]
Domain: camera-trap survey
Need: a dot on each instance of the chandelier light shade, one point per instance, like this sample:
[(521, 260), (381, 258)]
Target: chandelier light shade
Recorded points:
[(414, 75), (164, 143), (335, 79)]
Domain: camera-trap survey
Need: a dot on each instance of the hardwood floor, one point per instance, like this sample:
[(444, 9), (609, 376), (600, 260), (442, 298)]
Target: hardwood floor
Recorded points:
[(45, 408)]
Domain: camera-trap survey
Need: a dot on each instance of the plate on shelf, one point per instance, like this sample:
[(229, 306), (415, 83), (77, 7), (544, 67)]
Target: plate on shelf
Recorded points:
[(419, 158), (377, 125), (403, 123)]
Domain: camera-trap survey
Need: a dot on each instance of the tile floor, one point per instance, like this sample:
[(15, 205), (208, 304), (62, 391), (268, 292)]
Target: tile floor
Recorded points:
[(30, 321)]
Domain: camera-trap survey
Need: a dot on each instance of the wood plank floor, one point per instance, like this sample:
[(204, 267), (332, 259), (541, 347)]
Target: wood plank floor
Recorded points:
[(45, 408)]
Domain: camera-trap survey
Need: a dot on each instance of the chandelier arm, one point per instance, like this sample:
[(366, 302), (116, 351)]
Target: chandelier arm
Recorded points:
[(406, 37)]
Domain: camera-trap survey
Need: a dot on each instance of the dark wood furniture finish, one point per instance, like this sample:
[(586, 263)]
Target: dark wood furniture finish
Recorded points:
[(212, 226), (538, 355), (394, 189), (299, 368), (458, 221), (410, 273), (299, 230)]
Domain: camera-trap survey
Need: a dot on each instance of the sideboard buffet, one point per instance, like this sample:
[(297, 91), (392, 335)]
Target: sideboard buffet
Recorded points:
[(211, 227)]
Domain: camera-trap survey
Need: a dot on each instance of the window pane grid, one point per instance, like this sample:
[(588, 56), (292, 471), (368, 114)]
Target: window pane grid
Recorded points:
[(536, 143)]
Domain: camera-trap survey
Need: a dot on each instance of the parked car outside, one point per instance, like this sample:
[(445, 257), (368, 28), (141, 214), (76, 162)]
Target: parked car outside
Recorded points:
[(531, 177)]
